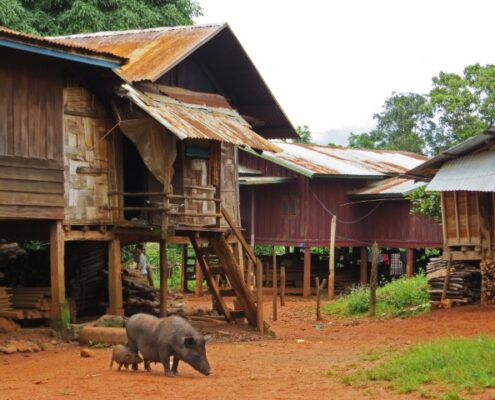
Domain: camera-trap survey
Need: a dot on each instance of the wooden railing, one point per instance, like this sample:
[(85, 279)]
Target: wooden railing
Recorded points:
[(169, 209)]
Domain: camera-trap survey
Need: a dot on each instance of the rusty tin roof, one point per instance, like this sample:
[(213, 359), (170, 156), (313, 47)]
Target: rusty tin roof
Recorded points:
[(194, 115), (325, 161), (14, 37), (151, 52)]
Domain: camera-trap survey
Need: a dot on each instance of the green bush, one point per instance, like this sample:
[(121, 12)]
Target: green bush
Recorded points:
[(454, 364), (401, 297)]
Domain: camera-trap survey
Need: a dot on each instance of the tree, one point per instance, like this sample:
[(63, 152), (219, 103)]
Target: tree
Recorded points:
[(60, 17), (399, 125), (463, 106), (425, 203), (304, 135)]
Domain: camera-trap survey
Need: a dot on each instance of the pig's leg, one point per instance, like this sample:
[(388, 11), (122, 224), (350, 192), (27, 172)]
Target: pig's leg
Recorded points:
[(165, 360), (120, 367), (175, 365), (147, 366)]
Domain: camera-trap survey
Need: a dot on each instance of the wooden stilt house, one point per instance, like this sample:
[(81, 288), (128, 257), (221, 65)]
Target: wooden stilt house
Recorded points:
[(150, 152), (288, 199), (463, 175)]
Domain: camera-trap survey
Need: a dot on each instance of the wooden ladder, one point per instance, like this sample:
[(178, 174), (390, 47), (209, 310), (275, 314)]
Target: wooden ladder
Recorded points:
[(216, 258)]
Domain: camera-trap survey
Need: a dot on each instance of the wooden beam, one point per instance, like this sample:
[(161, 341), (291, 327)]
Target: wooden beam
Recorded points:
[(410, 263), (60, 311), (163, 278), (363, 271), (444, 218), (115, 303), (373, 279), (456, 214), (259, 298), (274, 267), (89, 235), (199, 280), (240, 237), (307, 272)]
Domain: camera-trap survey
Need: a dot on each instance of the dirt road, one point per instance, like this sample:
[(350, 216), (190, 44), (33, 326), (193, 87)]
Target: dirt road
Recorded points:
[(305, 361)]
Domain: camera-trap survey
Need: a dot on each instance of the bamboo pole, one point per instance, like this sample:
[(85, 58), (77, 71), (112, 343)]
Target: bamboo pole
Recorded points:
[(373, 278), (282, 286), (259, 296), (274, 263), (331, 266)]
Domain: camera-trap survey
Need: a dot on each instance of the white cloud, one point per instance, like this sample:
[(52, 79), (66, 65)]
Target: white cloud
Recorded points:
[(331, 64)]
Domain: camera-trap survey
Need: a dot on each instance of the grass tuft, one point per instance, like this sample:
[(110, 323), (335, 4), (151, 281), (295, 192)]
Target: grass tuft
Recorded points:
[(401, 298), (458, 364)]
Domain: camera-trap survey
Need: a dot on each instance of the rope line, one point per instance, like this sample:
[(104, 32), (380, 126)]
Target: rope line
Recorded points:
[(335, 215)]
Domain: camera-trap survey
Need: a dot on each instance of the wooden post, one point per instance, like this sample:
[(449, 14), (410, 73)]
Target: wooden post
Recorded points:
[(447, 277), (259, 297), (282, 286), (163, 278), (183, 268), (373, 279), (410, 263), (60, 310), (307, 272), (115, 304), (363, 272), (319, 288), (331, 266), (199, 280), (275, 294), (251, 267)]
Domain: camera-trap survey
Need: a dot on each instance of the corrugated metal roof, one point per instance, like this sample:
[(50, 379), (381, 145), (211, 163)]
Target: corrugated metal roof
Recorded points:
[(199, 118), (264, 180), (430, 167), (151, 52), (326, 161), (474, 172), (9, 34), (392, 187)]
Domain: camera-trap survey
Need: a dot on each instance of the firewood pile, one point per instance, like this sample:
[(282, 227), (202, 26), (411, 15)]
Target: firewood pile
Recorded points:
[(25, 303), (140, 297), (464, 283), (5, 302)]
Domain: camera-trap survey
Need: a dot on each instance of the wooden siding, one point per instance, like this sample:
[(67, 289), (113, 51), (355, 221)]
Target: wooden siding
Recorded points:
[(390, 224), (86, 158), (31, 107)]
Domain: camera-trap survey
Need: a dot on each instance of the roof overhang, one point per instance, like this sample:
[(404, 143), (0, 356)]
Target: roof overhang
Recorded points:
[(194, 115), (264, 180), (51, 48), (473, 172)]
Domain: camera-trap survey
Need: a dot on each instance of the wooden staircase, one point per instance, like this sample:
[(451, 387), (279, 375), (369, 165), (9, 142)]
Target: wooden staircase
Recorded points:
[(218, 263)]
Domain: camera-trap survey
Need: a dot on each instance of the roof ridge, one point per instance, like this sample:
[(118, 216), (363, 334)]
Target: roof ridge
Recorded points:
[(404, 152), (134, 31)]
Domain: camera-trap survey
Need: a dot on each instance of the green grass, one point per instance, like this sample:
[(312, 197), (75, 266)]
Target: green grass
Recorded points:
[(402, 297), (451, 365)]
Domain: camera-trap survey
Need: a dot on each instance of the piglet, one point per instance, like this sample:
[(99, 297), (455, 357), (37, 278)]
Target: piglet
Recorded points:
[(122, 355)]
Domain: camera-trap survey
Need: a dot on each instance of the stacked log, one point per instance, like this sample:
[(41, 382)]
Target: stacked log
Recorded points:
[(6, 310), (35, 303), (464, 283), (140, 297)]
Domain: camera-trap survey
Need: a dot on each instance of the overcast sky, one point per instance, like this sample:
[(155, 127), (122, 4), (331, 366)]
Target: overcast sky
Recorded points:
[(331, 64)]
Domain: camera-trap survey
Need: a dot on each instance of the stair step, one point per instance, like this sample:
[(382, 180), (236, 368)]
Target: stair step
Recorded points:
[(237, 314), (216, 269), (207, 251), (227, 292)]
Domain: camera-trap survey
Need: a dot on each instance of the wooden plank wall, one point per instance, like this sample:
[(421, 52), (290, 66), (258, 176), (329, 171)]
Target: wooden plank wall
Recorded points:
[(461, 218), (31, 166), (230, 182), (86, 158)]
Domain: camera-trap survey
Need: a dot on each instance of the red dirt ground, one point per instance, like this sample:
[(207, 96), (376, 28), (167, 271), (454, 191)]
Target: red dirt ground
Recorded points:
[(292, 366)]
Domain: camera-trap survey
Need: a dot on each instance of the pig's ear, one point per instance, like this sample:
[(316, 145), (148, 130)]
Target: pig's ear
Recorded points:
[(208, 338), (189, 341)]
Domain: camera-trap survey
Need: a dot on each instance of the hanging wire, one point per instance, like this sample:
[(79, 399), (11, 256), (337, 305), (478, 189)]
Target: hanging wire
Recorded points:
[(335, 215)]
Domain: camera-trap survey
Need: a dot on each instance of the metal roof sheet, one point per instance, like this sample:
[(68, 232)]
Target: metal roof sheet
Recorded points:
[(430, 167), (326, 161), (264, 180), (473, 172), (47, 43), (392, 187), (151, 52), (199, 118)]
